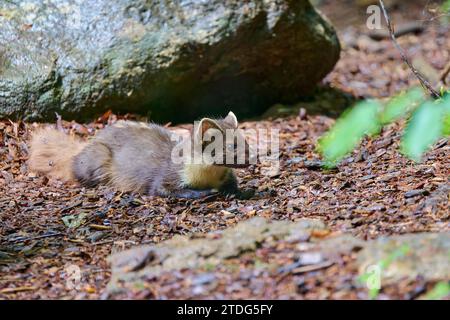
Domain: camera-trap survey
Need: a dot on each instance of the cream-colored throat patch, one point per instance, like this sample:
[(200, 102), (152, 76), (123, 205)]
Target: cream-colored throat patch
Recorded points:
[(200, 176)]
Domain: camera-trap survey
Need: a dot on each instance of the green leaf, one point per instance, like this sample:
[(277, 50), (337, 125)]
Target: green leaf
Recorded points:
[(446, 124), (424, 129), (349, 130), (401, 105), (366, 278), (446, 6), (374, 293), (75, 220), (446, 128), (395, 255), (439, 292)]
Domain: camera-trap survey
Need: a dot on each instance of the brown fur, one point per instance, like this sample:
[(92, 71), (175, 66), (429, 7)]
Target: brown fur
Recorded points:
[(52, 152), (129, 156)]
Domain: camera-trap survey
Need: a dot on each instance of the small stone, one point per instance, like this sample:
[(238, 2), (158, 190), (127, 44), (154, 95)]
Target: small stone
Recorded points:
[(310, 258)]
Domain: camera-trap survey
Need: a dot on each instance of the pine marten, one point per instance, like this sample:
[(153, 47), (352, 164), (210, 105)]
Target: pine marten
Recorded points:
[(133, 156)]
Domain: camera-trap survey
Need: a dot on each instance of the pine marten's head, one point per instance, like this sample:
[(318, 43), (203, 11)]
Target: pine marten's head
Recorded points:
[(223, 143)]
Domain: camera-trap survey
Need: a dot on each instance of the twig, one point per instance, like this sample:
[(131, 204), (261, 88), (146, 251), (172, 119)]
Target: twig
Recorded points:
[(298, 268), (102, 242), (11, 2), (57, 234), (401, 30), (424, 82), (313, 267), (445, 73), (18, 289), (99, 227), (73, 205)]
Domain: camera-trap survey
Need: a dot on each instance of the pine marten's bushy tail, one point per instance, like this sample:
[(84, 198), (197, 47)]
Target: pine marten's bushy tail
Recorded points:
[(52, 153)]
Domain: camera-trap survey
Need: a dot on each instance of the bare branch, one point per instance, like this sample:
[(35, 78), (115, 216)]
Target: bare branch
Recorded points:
[(445, 74), (423, 81)]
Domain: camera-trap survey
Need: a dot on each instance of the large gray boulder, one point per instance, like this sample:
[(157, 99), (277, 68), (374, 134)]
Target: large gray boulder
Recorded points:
[(173, 60)]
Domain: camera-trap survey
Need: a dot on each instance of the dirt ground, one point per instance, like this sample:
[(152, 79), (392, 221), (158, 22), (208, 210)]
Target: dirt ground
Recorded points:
[(374, 192)]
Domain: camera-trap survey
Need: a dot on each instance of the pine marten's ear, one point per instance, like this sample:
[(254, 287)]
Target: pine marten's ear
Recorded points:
[(206, 124), (231, 120)]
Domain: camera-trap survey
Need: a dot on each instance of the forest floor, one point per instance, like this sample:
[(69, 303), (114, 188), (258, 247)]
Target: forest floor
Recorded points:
[(48, 229)]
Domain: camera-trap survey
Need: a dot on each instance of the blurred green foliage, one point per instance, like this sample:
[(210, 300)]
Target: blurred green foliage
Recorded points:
[(398, 106), (428, 121), (446, 5), (349, 130), (365, 278), (439, 292), (424, 129)]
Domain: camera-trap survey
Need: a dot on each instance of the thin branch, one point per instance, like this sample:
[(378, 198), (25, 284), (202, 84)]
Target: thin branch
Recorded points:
[(424, 82), (49, 235), (445, 74), (409, 27), (11, 2)]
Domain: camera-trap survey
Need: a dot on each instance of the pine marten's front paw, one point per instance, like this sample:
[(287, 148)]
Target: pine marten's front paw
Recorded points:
[(245, 194)]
